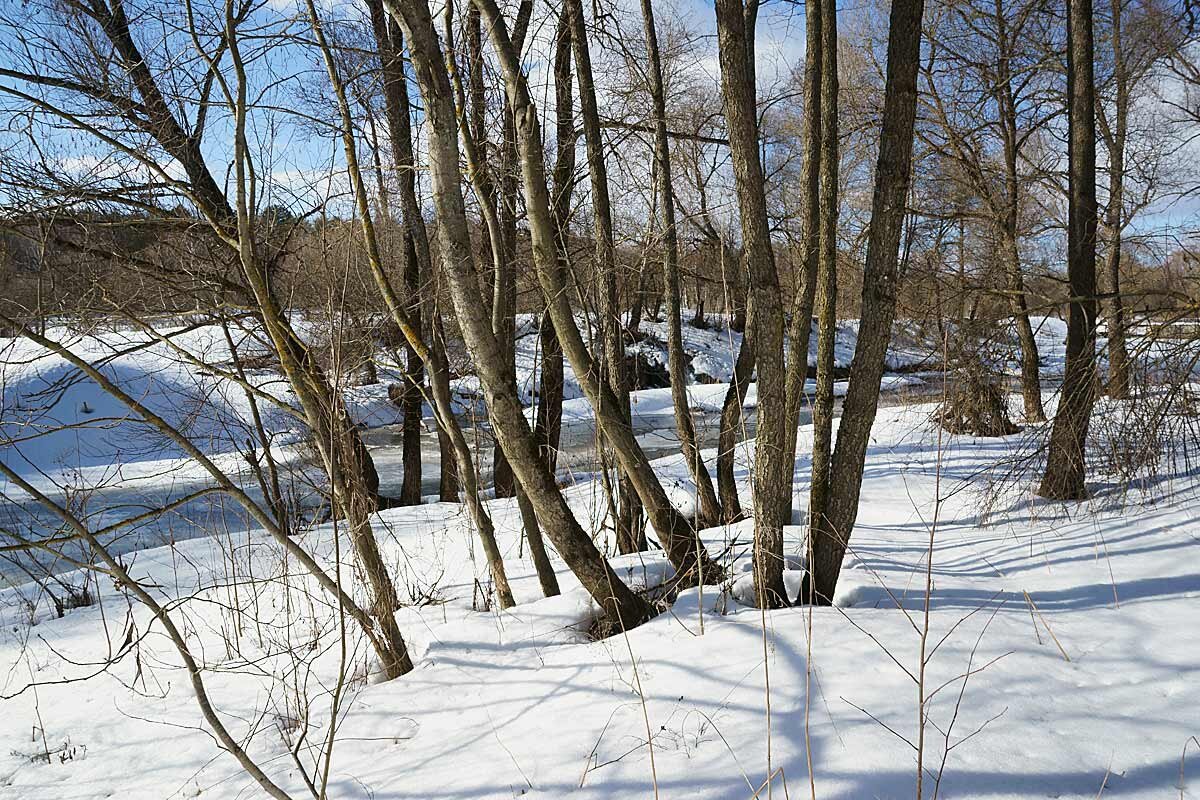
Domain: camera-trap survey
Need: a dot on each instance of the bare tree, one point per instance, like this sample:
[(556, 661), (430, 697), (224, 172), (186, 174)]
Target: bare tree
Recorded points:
[(136, 119), (678, 536), (410, 327), (826, 290), (888, 208), (987, 91), (1065, 474), (772, 475), (708, 511), (512, 429)]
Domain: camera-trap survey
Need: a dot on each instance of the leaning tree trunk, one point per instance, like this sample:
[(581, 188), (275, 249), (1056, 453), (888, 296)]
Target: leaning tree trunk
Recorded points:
[(708, 511), (1065, 474), (498, 230), (687, 554), (411, 328), (892, 174), (348, 466), (504, 286), (354, 484), (512, 429), (612, 336), (772, 487)]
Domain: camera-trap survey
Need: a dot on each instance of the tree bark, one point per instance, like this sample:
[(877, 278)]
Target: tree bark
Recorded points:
[(411, 329), (822, 455), (1031, 386), (1065, 474), (800, 331), (415, 245), (504, 286), (449, 455), (708, 511), (687, 554), (612, 339), (1115, 137), (731, 418), (772, 487), (512, 430), (892, 175)]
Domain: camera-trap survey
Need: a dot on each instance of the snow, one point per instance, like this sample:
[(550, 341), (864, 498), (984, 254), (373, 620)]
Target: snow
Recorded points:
[(1062, 640), (519, 703)]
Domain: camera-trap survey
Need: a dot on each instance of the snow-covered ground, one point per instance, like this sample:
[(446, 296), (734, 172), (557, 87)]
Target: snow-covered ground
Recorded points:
[(1063, 644), (59, 429)]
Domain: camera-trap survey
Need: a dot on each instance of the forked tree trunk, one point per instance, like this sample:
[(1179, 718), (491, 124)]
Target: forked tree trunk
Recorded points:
[(772, 486), (691, 561), (892, 173), (410, 328), (1065, 474), (708, 510), (512, 430)]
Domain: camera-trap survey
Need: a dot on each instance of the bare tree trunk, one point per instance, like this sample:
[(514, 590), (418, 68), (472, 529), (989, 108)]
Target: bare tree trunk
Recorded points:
[(353, 481), (736, 289), (708, 511), (800, 331), (1115, 137), (512, 430), (1065, 474), (772, 486), (504, 287), (548, 418), (1031, 386), (477, 104), (691, 561), (415, 244), (892, 174), (731, 419), (448, 482), (822, 456), (411, 329), (548, 427), (413, 402), (612, 338)]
